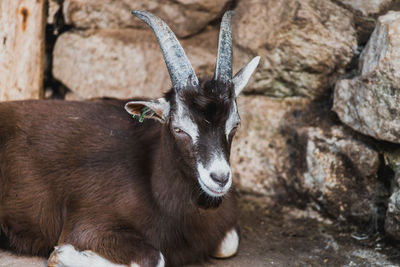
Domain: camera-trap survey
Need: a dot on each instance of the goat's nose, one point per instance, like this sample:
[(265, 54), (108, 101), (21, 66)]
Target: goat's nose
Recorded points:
[(220, 179)]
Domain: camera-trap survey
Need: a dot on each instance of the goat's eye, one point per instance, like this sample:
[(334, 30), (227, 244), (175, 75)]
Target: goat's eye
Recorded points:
[(235, 127), (233, 131), (178, 130)]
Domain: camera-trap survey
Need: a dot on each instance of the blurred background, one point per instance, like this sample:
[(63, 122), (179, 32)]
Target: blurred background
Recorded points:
[(320, 117)]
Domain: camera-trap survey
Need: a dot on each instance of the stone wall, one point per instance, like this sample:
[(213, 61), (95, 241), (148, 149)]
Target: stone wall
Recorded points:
[(315, 55)]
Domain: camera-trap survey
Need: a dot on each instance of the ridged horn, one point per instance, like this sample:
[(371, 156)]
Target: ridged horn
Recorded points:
[(223, 67), (180, 70)]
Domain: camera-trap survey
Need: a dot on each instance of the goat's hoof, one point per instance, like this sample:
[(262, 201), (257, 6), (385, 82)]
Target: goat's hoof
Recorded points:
[(67, 256), (54, 260), (228, 246)]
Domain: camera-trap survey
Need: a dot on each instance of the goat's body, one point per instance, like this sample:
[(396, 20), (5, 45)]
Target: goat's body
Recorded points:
[(87, 174), (110, 191)]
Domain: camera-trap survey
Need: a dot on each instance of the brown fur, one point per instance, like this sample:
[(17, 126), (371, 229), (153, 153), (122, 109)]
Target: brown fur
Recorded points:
[(87, 174)]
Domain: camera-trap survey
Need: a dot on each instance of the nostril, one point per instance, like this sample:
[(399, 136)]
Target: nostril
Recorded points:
[(221, 180)]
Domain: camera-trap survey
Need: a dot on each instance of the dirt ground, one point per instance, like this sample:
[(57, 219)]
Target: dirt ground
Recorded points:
[(282, 236)]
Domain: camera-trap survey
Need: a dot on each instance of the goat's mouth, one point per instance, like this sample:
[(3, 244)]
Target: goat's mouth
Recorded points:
[(212, 191), (216, 178)]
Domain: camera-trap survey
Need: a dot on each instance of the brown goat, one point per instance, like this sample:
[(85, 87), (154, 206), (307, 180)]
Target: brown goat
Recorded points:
[(109, 190)]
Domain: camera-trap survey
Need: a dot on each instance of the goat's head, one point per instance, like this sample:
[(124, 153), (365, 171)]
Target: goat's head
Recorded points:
[(200, 117)]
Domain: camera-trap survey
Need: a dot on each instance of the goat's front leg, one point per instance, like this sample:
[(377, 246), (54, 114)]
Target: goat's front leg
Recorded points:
[(68, 256), (104, 249), (229, 245)]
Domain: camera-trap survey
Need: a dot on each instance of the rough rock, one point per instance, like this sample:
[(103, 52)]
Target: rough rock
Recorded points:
[(366, 13), (185, 17), (286, 151), (340, 172), (123, 63), (304, 45), (259, 150), (367, 7), (392, 220), (330, 166), (368, 103)]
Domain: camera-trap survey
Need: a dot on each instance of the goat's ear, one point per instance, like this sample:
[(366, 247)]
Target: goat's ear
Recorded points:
[(155, 109), (242, 77)]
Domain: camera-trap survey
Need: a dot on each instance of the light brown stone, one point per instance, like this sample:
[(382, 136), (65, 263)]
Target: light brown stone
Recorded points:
[(340, 173), (185, 17), (22, 26), (367, 7), (365, 14), (123, 63), (330, 166), (259, 151), (368, 103), (287, 151), (304, 45)]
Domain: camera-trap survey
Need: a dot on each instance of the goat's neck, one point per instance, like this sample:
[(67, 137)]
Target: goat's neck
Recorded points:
[(173, 186)]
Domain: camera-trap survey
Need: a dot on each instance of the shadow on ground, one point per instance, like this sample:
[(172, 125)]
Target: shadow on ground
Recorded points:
[(282, 236)]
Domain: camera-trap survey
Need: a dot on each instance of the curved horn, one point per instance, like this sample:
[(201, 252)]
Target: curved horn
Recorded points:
[(180, 70), (223, 67)]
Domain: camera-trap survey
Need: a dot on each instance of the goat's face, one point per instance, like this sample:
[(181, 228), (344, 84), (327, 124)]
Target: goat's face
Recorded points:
[(200, 118), (203, 123)]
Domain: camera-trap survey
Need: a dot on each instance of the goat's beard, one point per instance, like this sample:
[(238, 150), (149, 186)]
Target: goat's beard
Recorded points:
[(206, 201)]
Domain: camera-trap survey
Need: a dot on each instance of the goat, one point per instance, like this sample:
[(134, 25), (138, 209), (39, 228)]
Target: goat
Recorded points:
[(88, 185)]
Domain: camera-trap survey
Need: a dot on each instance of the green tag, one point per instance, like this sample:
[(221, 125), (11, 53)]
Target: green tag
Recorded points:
[(144, 111)]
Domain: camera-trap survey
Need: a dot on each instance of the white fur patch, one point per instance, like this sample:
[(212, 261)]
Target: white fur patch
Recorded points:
[(164, 106), (228, 246), (232, 120), (183, 121), (161, 261), (68, 256), (219, 166)]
